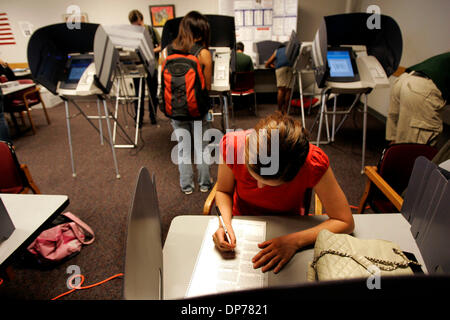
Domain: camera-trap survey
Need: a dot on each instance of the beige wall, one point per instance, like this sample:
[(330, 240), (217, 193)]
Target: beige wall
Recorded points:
[(44, 12), (424, 26), (312, 11)]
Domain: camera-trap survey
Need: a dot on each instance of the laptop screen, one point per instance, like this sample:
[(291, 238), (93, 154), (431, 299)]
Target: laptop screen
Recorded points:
[(340, 64)]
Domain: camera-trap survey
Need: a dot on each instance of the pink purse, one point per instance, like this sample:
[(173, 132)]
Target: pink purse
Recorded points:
[(62, 241)]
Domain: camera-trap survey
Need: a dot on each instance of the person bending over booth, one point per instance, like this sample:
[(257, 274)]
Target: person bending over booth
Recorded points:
[(136, 18), (417, 97), (284, 76), (247, 187)]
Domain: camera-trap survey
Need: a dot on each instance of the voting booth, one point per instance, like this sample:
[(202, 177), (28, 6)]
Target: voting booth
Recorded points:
[(124, 52), (222, 48), (350, 58), (64, 61)]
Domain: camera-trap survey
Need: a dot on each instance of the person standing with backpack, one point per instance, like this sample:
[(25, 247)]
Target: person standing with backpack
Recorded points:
[(185, 81)]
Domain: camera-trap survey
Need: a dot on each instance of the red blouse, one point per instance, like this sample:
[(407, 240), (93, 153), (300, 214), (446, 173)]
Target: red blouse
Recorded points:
[(287, 198)]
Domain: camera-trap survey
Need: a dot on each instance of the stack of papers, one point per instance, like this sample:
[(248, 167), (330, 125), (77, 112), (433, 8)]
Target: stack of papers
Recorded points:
[(217, 272)]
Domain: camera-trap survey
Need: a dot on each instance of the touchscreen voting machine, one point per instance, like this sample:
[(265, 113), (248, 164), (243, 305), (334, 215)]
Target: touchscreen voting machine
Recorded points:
[(342, 65), (6, 224), (79, 77)]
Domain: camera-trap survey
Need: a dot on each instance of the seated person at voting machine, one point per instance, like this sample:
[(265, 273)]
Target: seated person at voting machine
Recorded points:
[(243, 62), (248, 185)]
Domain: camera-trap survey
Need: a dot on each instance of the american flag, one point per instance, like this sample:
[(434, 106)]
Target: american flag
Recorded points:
[(6, 35)]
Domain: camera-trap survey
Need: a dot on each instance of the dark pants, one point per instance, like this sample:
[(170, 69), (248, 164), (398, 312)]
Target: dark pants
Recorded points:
[(4, 130), (152, 84)]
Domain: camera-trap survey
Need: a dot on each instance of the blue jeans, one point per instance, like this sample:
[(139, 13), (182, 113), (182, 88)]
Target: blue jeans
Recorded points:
[(186, 133), (4, 130)]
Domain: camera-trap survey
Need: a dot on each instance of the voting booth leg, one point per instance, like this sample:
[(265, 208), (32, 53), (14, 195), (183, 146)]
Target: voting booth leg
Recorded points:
[(108, 125), (364, 134), (333, 121), (323, 112), (116, 109), (66, 104), (225, 112), (116, 112), (302, 106), (138, 113), (100, 122)]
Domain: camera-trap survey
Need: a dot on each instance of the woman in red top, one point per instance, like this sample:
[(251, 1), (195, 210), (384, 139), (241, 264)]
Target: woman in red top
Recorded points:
[(246, 185)]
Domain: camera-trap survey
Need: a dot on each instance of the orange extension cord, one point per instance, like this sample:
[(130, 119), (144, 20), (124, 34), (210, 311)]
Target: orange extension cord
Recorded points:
[(79, 287)]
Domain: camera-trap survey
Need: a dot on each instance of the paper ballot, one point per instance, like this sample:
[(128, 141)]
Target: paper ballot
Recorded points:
[(216, 272)]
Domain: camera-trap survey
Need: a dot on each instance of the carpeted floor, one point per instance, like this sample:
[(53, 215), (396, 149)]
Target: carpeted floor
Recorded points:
[(103, 201)]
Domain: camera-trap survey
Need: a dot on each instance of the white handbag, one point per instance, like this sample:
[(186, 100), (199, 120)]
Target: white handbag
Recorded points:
[(341, 256)]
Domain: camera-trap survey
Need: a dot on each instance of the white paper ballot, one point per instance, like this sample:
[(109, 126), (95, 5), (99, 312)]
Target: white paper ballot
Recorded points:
[(216, 272)]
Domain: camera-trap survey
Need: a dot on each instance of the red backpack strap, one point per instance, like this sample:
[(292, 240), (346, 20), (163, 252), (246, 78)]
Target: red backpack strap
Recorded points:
[(195, 50)]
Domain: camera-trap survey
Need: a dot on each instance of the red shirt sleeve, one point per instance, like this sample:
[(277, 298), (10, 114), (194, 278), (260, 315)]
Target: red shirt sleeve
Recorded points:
[(232, 147), (318, 163)]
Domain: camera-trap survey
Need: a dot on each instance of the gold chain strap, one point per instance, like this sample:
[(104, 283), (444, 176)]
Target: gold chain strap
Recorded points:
[(384, 265)]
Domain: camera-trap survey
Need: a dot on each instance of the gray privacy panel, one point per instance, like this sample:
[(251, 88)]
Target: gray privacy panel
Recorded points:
[(416, 186), (424, 211), (144, 259), (434, 245)]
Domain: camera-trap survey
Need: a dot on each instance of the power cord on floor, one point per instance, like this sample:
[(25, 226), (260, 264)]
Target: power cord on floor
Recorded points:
[(79, 287)]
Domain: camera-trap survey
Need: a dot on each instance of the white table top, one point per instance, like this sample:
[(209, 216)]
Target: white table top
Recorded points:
[(28, 213), (16, 88), (186, 233)]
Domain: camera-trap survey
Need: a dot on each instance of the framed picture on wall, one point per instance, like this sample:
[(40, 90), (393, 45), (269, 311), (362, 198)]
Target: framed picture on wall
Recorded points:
[(160, 14)]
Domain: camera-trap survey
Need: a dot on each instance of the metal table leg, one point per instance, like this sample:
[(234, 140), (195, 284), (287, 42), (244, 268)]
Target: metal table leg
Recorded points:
[(66, 104)]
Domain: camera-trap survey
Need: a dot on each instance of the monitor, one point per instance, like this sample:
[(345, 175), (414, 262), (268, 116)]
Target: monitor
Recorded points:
[(75, 67), (342, 65)]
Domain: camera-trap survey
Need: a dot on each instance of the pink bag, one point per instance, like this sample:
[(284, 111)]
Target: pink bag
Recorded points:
[(62, 241)]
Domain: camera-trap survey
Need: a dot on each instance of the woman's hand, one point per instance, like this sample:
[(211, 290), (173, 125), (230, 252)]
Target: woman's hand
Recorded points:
[(220, 239), (275, 253)]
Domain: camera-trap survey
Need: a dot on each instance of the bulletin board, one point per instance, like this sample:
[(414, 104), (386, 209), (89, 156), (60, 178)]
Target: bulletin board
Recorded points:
[(259, 20)]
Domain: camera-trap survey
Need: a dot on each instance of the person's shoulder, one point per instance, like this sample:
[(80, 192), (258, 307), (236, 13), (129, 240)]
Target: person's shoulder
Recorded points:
[(317, 158), (233, 145)]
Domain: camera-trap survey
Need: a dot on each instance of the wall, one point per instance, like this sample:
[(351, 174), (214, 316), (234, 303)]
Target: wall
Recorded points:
[(312, 11), (424, 26), (45, 12)]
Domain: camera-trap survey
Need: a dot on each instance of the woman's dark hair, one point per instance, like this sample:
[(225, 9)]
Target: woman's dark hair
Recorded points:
[(293, 146), (193, 28), (135, 15)]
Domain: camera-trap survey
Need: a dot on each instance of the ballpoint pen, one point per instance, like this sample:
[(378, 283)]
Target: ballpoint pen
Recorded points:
[(219, 215)]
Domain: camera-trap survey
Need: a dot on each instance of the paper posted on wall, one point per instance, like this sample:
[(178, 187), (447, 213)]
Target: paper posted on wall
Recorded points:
[(217, 272)]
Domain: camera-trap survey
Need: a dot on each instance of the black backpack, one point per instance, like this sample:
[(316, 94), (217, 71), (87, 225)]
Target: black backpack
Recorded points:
[(183, 88)]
